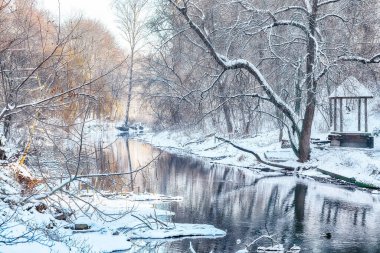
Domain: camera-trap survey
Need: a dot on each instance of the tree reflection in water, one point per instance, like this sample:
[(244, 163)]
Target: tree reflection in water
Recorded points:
[(245, 203)]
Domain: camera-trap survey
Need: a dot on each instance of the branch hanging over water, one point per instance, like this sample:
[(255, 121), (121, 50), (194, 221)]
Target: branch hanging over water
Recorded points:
[(259, 159), (71, 179)]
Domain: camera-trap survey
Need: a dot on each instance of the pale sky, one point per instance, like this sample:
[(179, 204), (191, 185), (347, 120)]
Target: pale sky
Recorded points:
[(100, 10)]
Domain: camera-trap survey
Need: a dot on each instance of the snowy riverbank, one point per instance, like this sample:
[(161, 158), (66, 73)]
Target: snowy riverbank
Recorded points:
[(131, 222), (86, 222), (361, 166)]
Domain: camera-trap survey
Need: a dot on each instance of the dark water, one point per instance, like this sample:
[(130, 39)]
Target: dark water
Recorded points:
[(248, 204)]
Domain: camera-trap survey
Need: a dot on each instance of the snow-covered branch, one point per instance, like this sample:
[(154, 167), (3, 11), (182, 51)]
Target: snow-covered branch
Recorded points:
[(227, 64), (374, 59), (289, 8), (249, 95), (332, 16), (327, 2), (290, 23), (2, 113)]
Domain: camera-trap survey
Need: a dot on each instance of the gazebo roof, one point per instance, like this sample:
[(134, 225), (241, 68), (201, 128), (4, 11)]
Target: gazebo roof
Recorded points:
[(351, 88)]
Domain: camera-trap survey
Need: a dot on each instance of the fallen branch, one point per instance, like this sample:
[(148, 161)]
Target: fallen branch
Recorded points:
[(258, 158)]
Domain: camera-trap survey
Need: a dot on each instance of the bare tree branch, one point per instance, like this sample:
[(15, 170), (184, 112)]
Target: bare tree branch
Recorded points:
[(374, 59)]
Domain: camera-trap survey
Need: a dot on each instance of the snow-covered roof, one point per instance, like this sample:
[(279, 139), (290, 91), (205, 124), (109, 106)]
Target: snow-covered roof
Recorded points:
[(351, 88)]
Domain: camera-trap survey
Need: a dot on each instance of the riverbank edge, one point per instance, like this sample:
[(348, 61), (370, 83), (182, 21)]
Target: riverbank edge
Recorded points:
[(311, 169), (26, 212)]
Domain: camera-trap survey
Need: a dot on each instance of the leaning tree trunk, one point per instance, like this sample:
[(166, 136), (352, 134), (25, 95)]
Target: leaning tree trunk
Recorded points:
[(304, 143)]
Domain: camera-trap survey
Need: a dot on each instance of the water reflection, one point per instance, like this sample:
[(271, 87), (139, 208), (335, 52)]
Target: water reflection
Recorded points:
[(122, 156), (246, 204)]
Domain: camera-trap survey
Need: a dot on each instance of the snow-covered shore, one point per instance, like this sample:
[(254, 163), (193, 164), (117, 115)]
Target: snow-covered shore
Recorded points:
[(358, 165), (120, 221), (94, 222)]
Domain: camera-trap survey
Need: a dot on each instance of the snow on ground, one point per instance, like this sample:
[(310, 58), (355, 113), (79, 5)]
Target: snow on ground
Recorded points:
[(210, 147), (178, 230), (363, 165), (360, 164), (153, 197), (110, 223), (99, 130), (126, 217), (214, 150)]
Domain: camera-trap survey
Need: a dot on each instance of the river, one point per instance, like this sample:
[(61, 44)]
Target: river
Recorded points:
[(247, 204)]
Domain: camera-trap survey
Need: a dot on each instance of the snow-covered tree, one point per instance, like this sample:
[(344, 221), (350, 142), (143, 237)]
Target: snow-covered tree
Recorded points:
[(288, 47)]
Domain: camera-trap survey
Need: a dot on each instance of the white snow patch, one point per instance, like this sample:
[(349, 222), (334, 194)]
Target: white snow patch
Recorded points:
[(179, 230)]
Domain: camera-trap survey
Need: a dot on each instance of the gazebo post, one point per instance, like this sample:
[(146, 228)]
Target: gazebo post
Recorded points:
[(341, 114), (365, 115), (359, 113), (335, 104)]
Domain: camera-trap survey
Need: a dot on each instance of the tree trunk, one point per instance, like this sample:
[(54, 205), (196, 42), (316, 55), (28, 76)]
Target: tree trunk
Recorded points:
[(130, 84), (7, 126), (227, 116), (248, 125), (280, 122), (304, 143), (226, 108), (2, 152), (298, 92)]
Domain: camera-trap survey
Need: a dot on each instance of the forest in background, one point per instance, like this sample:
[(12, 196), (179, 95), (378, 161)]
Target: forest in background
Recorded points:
[(236, 68), (56, 74), (218, 69)]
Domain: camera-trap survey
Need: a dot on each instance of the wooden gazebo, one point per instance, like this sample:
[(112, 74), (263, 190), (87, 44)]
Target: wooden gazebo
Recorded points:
[(350, 89)]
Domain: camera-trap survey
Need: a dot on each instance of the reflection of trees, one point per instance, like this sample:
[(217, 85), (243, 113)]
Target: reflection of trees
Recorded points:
[(128, 154), (106, 163), (242, 203), (118, 157), (299, 207), (331, 209)]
